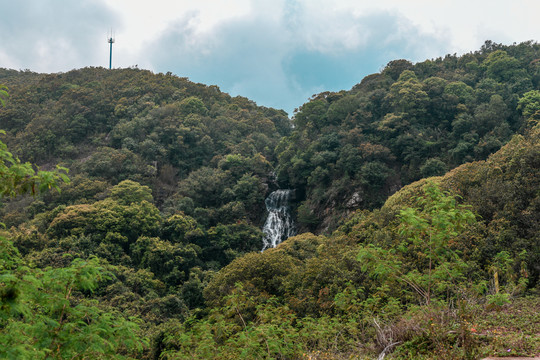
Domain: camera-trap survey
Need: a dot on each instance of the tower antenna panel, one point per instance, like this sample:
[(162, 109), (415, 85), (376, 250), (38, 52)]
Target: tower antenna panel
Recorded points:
[(110, 40)]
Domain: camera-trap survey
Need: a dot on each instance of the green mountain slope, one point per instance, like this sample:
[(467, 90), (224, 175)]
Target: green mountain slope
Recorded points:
[(433, 274), (168, 180), (352, 149), (132, 124), (421, 185)]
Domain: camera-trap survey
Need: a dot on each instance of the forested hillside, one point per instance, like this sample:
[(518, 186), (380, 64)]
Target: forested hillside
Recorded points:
[(151, 247), (448, 268), (352, 149), (189, 150)]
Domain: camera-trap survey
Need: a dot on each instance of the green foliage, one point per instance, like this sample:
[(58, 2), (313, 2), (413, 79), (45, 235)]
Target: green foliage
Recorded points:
[(128, 192), (433, 167), (117, 165), (501, 66), (44, 313), (169, 180), (306, 217), (170, 262), (19, 178), (153, 129), (246, 327), (311, 114), (498, 299), (430, 117), (529, 105), (181, 228), (192, 105), (407, 96), (104, 217), (3, 94), (249, 190), (395, 67), (430, 231)]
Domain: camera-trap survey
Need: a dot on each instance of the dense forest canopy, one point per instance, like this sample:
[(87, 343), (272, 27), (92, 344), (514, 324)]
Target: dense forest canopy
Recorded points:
[(352, 149), (420, 187)]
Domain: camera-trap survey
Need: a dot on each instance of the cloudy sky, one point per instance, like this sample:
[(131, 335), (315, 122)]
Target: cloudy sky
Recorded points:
[(275, 52)]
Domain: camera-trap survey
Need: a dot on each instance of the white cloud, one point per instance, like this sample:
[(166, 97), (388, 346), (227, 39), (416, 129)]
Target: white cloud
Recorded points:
[(51, 36), (280, 61), (277, 52), (144, 21)]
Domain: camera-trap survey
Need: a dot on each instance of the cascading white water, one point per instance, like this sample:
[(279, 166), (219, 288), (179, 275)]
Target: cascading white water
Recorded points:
[(279, 224)]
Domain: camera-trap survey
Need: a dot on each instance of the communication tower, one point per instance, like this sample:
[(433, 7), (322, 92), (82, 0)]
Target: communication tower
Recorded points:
[(110, 40)]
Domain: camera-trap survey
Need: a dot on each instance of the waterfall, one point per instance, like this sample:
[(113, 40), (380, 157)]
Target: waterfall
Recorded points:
[(279, 224)]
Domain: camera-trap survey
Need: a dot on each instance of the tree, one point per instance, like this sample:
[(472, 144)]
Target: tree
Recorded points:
[(20, 178), (128, 192), (433, 167), (311, 114), (45, 313), (3, 94), (424, 259), (529, 105), (407, 96), (192, 105), (395, 67), (502, 67)]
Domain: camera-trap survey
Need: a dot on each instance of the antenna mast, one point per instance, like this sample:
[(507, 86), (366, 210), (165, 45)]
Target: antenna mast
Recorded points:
[(110, 41)]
